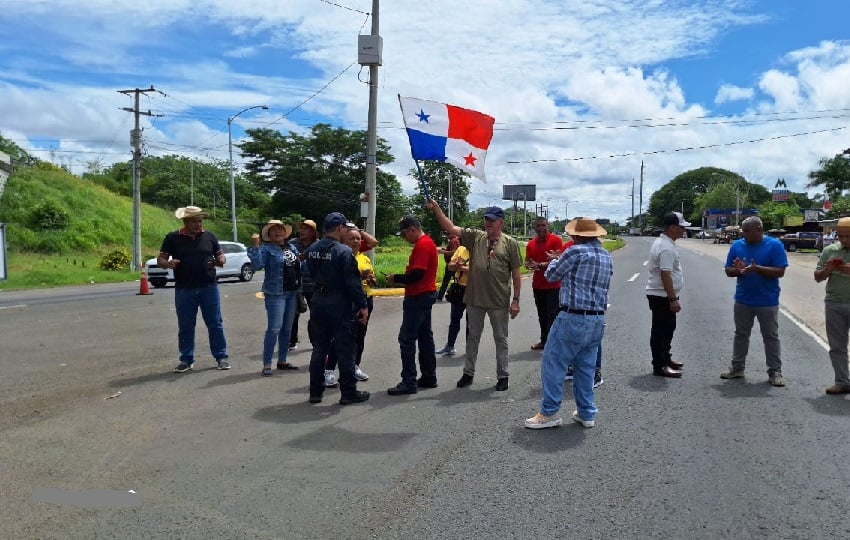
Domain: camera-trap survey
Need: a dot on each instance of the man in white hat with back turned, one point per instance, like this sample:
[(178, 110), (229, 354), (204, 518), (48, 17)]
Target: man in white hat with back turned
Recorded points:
[(193, 253), (584, 271)]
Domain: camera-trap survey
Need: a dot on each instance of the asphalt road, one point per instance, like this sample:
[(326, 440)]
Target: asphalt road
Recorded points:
[(92, 411)]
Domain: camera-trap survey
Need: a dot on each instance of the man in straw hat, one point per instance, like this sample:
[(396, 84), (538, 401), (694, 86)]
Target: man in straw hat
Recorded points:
[(585, 272), (662, 292), (193, 253), (834, 267)]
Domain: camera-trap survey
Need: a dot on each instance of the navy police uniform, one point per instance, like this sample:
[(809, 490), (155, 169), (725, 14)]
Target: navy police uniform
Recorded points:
[(337, 295)]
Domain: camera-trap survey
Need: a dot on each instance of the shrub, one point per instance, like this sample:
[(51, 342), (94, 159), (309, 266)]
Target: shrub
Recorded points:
[(117, 259), (49, 215)]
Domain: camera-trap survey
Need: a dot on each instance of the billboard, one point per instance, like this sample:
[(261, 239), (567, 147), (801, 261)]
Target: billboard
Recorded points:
[(519, 192)]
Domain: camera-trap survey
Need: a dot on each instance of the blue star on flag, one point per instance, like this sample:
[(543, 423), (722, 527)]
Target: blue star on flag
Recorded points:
[(422, 116)]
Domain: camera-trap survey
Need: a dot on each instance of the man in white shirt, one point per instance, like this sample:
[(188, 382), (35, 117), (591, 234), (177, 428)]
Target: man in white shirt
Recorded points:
[(662, 290)]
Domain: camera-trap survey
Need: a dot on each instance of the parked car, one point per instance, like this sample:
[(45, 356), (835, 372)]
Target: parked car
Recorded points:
[(704, 235), (238, 265), (802, 240)]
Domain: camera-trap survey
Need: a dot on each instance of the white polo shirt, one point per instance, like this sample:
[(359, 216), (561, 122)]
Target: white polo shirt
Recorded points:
[(663, 255)]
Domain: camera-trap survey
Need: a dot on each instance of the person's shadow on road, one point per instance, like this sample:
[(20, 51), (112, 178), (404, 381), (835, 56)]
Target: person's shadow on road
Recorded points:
[(830, 405)]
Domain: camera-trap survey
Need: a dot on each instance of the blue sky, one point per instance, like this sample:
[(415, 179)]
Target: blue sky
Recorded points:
[(581, 91)]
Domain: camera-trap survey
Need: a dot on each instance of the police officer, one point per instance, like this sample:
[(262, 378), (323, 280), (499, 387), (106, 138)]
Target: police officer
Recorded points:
[(338, 298)]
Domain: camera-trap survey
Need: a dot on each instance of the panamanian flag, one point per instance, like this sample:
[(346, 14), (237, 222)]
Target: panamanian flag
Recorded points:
[(441, 132)]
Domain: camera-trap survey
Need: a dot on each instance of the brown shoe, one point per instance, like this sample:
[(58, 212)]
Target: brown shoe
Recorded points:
[(838, 389), (676, 365), (537, 346), (666, 371)]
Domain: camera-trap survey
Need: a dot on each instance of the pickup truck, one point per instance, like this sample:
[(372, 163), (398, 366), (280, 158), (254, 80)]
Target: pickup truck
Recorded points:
[(802, 240)]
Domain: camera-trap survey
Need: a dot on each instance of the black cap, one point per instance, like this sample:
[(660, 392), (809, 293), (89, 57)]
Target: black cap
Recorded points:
[(334, 220), (494, 212), (409, 221)]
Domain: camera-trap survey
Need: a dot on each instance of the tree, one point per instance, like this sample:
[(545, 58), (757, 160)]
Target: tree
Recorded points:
[(320, 173), (773, 214), (689, 189), (833, 176)]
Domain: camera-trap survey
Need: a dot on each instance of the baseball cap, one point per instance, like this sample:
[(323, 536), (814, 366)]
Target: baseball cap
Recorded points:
[(334, 220), (494, 212), (675, 218)]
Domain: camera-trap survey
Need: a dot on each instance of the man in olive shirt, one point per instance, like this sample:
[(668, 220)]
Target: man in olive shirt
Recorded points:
[(834, 267), (493, 270)]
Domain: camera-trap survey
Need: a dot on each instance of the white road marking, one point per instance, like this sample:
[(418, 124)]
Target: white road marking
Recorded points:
[(634, 277), (802, 326), (13, 307)]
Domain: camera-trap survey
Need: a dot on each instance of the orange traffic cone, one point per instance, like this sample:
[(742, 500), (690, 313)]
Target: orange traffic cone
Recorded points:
[(143, 284)]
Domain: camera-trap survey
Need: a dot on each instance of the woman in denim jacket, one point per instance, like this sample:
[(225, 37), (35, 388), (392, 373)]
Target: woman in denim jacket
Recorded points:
[(281, 286)]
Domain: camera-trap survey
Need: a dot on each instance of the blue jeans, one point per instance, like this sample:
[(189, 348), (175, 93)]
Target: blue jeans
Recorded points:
[(186, 303), (416, 328), (573, 339), (280, 311)]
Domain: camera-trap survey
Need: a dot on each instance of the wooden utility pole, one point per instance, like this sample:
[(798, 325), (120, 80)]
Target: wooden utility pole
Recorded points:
[(136, 142)]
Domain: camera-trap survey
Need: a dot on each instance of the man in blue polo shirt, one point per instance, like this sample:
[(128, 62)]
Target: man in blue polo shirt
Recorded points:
[(757, 262)]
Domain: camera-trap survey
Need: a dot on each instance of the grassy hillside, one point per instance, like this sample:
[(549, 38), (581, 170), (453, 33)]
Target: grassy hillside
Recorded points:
[(58, 227)]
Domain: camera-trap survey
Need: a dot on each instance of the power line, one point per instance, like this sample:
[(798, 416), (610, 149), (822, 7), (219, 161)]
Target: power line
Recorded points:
[(674, 150)]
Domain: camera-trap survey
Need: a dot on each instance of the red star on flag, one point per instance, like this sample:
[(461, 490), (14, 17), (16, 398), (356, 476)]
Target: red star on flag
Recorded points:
[(470, 159)]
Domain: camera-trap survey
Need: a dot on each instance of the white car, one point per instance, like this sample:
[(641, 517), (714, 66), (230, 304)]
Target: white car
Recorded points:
[(238, 265)]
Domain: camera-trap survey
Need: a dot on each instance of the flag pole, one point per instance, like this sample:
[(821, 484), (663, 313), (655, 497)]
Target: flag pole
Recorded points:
[(422, 184)]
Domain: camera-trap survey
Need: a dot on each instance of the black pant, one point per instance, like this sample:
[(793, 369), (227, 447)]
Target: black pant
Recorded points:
[(293, 334), (447, 277), (547, 303), (416, 330), (359, 339), (332, 327), (663, 328)]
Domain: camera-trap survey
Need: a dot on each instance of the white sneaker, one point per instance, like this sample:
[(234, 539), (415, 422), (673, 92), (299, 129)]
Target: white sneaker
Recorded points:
[(538, 421), (330, 378), (585, 423), (359, 374)]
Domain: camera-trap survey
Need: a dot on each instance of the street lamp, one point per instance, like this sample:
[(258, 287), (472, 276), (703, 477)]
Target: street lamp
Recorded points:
[(230, 151)]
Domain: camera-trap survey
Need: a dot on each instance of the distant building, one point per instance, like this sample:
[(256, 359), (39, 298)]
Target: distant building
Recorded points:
[(716, 218)]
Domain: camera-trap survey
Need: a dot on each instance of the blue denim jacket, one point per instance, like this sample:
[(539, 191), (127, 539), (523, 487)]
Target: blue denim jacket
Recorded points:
[(283, 269)]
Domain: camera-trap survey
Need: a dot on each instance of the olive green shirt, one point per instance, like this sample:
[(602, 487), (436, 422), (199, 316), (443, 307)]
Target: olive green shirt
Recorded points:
[(837, 284), (490, 270)]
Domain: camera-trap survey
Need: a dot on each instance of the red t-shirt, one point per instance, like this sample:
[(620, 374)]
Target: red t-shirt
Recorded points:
[(423, 256), (452, 245), (535, 250)]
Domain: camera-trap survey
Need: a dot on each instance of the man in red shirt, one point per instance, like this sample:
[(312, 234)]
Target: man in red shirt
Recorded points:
[(419, 280), (545, 292)]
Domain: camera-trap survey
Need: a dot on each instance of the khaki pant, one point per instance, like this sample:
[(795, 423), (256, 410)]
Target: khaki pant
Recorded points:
[(475, 324)]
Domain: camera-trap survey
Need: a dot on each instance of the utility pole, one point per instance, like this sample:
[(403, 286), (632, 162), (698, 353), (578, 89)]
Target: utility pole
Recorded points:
[(633, 202), (640, 197), (136, 142), (369, 53)]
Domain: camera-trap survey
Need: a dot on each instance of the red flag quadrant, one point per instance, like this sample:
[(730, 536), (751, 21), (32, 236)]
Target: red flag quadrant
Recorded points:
[(441, 132)]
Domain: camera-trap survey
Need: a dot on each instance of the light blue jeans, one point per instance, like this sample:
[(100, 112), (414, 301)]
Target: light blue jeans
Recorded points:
[(186, 304), (573, 339), (280, 312)]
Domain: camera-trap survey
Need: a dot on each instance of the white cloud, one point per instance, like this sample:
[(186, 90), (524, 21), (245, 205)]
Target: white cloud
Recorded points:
[(729, 92), (584, 85)]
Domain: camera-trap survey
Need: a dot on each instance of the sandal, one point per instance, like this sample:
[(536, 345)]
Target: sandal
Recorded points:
[(286, 365), (537, 347), (267, 372)]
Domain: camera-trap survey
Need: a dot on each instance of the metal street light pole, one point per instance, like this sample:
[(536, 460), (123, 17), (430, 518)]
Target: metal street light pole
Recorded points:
[(230, 151)]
